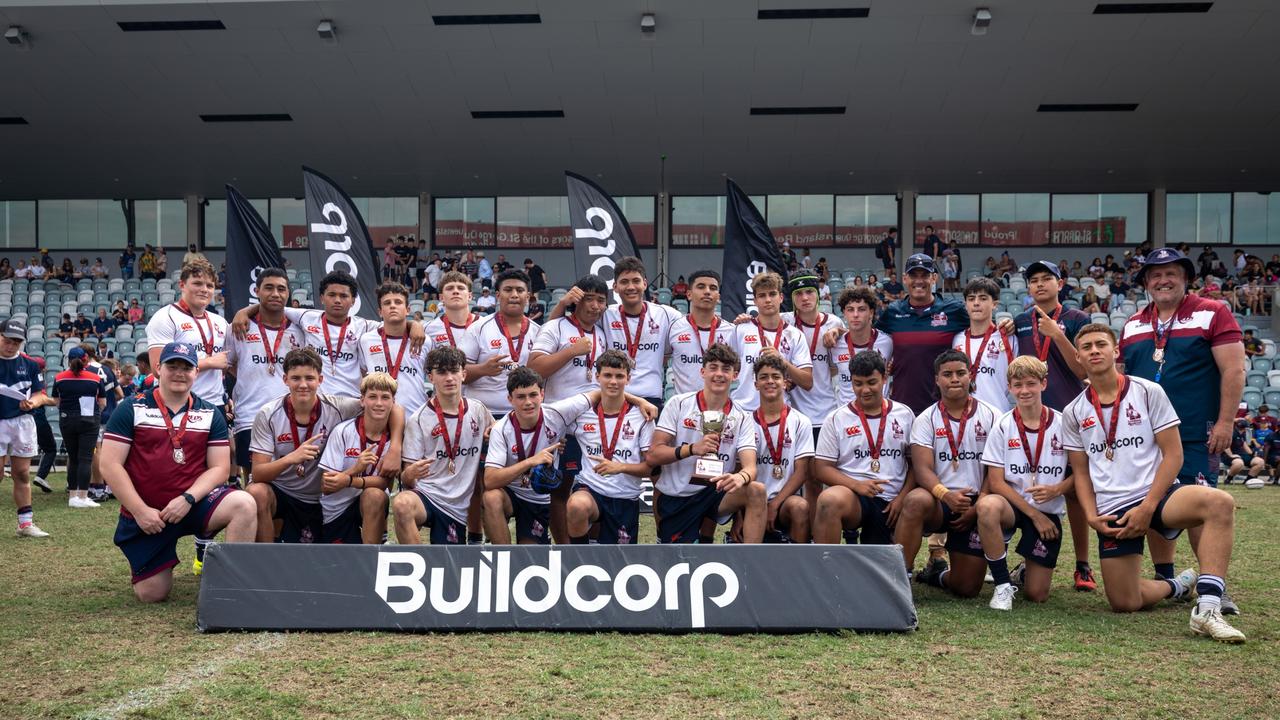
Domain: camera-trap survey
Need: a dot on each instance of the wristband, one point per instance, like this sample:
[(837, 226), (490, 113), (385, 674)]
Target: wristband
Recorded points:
[(680, 450), (351, 481), (190, 500), (940, 490)]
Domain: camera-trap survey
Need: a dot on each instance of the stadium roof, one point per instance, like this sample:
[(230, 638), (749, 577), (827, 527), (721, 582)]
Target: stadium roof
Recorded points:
[(97, 109)]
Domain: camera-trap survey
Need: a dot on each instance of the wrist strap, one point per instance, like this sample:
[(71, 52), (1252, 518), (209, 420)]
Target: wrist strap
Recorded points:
[(940, 490)]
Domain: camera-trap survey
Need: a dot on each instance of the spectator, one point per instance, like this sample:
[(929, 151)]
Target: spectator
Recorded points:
[(83, 270), (537, 276), (1095, 269), (1090, 302), (431, 285), (46, 261), (1207, 259), (127, 259), (1255, 296), (1119, 286), (1077, 270), (66, 328), (502, 265), (147, 263), (99, 271), (143, 361), (162, 263), (892, 289), (950, 272), (6, 269), (933, 245), (420, 266), (486, 302), (1239, 261), (389, 256), (469, 266), (135, 312), (1273, 270), (192, 254), (788, 256), (821, 269), (484, 271), (128, 378), (887, 247), (22, 271), (66, 273), (1264, 424), (105, 353), (824, 291), (990, 268), (37, 269), (295, 303), (83, 326), (1245, 455), (536, 312), (806, 262), (103, 326), (1253, 347), (1110, 265), (1006, 267), (681, 289)]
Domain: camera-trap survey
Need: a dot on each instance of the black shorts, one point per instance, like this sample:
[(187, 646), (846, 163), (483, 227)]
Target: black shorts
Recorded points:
[(1031, 546), (619, 518), (1109, 547), (570, 460), (961, 541), (875, 529), (533, 520), (680, 518), (242, 455), (345, 529), (149, 555), (302, 521), (444, 529)]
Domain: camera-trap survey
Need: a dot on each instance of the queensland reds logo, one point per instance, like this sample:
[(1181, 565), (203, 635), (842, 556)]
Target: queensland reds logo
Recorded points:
[(475, 427), (1134, 417), (653, 326), (627, 431), (550, 434), (897, 430), (1055, 445), (980, 431)]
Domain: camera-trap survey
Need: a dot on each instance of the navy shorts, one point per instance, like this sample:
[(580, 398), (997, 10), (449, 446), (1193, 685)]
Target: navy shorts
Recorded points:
[(149, 555), (345, 529), (1109, 547), (570, 460), (1198, 466), (875, 522), (533, 520), (301, 521), (619, 518), (1031, 546), (961, 541), (243, 459), (444, 529), (680, 518)]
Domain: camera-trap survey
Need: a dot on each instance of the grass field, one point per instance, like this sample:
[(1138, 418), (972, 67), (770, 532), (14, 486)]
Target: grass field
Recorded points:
[(76, 644)]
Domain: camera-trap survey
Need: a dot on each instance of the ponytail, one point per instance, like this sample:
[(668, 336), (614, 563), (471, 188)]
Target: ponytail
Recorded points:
[(77, 365)]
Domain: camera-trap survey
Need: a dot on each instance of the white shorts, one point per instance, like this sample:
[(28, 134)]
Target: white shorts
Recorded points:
[(18, 437)]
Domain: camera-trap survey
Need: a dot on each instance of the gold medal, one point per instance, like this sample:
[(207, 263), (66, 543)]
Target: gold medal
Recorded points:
[(875, 466), (179, 456), (777, 472), (271, 368), (1111, 454), (452, 467), (1158, 355), (955, 465)]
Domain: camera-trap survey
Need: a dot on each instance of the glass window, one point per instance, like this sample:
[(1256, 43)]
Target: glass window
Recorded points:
[(802, 220), (464, 222), (17, 223), (1122, 218), (289, 222), (698, 220), (953, 217), (1256, 219), (641, 212), (215, 221), (1198, 218), (864, 219), (1015, 218), (387, 217), (82, 224), (161, 223), (534, 222)]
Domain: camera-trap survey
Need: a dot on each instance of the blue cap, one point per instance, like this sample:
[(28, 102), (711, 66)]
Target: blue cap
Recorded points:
[(920, 261), (1165, 256), (75, 353), (1048, 266), (180, 351)]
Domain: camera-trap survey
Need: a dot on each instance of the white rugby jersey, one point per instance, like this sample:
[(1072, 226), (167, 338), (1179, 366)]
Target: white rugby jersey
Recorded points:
[(928, 431), (379, 354), (341, 451), (991, 381), (634, 438), (1128, 477), (1006, 450), (273, 436), (844, 441), (483, 340), (846, 349), (338, 348), (255, 384), (442, 332), (749, 339), (797, 443), (577, 375), (207, 334), (682, 419), (503, 451), (650, 332), (819, 401), (686, 345), (424, 438)]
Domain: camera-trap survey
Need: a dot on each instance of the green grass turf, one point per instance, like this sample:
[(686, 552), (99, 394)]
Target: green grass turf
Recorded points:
[(76, 644)]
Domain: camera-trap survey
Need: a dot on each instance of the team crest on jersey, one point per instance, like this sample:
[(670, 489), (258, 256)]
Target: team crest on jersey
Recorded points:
[(897, 430), (938, 320), (684, 338), (993, 351), (475, 427), (1015, 444), (551, 434), (1055, 445), (784, 346), (352, 452), (689, 423), (786, 438), (653, 326), (588, 427), (628, 432), (980, 432), (1134, 417), (1088, 423), (853, 431)]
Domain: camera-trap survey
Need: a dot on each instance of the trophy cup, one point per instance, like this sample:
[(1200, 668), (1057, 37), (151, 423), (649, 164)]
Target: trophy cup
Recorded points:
[(710, 465)]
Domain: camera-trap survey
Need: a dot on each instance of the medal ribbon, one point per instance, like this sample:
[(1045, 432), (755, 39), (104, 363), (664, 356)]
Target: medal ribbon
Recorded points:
[(591, 356), (513, 346), (206, 342), (328, 343), (776, 336), (537, 430), (697, 332), (364, 442), (393, 369), (293, 422), (450, 447), (1045, 416), (448, 327), (866, 427), (272, 350), (817, 330), (954, 440), (633, 347), (1121, 386), (1042, 348), (606, 446), (775, 452), (175, 438)]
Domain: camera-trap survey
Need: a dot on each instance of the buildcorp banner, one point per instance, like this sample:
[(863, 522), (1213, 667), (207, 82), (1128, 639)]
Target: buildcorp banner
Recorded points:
[(650, 588)]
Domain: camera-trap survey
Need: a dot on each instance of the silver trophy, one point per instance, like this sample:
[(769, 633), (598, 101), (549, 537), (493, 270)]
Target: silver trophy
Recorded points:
[(710, 465)]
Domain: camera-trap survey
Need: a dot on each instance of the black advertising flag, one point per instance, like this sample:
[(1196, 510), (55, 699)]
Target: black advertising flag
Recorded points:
[(339, 240), (601, 234), (250, 249), (749, 249)]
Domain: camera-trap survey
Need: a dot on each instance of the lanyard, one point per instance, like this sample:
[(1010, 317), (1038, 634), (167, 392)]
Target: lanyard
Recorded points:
[(513, 346), (866, 431), (1046, 416), (607, 446), (1042, 348), (328, 343), (175, 438), (954, 440), (206, 342), (1121, 386), (393, 369), (633, 347)]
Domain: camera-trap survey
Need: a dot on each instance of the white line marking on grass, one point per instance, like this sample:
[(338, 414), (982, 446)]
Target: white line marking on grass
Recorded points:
[(186, 679)]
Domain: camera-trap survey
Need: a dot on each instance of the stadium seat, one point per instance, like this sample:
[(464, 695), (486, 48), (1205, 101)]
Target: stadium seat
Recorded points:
[(1100, 318), (1261, 365), (1272, 397), (35, 332), (124, 332), (1256, 380), (1268, 348), (1252, 398)]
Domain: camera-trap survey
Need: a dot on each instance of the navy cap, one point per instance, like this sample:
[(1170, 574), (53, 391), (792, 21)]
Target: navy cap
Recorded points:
[(1165, 256), (75, 353), (1048, 266), (14, 329), (920, 261), (180, 351)]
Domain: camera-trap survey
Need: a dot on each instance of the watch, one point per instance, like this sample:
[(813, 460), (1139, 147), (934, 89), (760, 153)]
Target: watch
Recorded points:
[(190, 500)]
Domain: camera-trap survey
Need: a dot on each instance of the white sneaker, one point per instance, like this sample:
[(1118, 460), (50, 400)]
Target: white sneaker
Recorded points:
[(1210, 623), (89, 503), (75, 501), (31, 531), (1002, 598), (1187, 578)]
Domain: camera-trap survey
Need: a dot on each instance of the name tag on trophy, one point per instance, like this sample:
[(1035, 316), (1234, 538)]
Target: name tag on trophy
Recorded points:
[(710, 465)]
